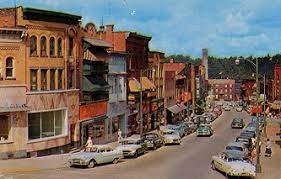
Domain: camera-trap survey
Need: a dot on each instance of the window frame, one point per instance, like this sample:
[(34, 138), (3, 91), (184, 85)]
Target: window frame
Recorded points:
[(65, 130), (52, 88), (41, 47), (12, 68), (31, 81), (41, 88), (36, 46), (52, 49), (59, 48)]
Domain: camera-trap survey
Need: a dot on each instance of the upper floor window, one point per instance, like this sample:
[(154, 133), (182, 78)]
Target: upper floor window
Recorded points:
[(33, 46), (43, 79), (59, 47), (52, 46), (9, 67), (33, 79), (52, 79), (60, 76), (71, 46), (43, 46)]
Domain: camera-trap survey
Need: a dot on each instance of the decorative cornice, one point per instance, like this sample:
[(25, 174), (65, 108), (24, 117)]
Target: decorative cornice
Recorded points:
[(9, 47), (38, 27)]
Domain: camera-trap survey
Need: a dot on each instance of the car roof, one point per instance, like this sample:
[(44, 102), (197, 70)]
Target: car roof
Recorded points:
[(233, 154), (238, 144)]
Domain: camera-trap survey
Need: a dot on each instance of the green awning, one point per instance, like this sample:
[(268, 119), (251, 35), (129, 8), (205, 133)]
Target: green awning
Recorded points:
[(89, 86)]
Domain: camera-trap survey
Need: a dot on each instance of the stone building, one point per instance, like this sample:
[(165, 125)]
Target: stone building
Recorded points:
[(39, 105)]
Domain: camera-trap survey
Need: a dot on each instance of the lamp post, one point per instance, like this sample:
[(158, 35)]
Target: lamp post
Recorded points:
[(256, 65)]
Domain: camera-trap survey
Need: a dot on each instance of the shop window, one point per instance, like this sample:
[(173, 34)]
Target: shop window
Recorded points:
[(9, 67), (4, 127), (46, 124), (52, 79), (33, 79), (43, 46), (33, 46), (59, 47), (43, 79), (52, 46), (60, 79)]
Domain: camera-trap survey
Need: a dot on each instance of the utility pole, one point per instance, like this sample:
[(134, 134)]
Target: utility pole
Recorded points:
[(258, 165), (264, 100), (141, 122)]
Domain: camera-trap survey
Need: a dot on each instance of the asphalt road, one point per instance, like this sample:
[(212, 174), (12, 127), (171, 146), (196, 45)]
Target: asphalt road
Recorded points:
[(190, 160)]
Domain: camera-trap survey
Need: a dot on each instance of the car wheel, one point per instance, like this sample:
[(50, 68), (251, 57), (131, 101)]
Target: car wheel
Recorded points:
[(213, 165), (154, 147), (136, 154), (115, 161), (92, 164)]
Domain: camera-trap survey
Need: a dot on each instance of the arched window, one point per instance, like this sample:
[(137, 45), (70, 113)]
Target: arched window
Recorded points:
[(33, 46), (9, 67), (52, 46), (59, 47), (43, 46)]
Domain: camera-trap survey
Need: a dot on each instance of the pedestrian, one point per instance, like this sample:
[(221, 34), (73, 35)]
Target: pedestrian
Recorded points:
[(89, 144), (119, 135), (268, 149)]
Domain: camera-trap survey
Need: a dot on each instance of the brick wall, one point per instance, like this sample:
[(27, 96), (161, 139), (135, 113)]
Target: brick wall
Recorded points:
[(7, 17)]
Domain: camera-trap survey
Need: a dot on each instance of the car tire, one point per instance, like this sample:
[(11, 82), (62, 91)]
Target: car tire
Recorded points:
[(213, 165), (92, 164), (154, 147), (136, 154), (115, 161)]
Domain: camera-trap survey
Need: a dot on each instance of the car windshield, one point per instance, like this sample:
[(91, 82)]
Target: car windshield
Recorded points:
[(203, 127), (233, 148), (125, 142), (242, 140)]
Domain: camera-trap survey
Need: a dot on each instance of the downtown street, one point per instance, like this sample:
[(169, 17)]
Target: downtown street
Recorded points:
[(189, 160)]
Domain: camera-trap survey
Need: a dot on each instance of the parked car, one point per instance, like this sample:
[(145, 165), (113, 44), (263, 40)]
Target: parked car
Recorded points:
[(239, 108), (232, 166), (186, 128), (237, 149), (204, 130), (179, 128), (98, 154), (191, 127), (171, 136), (237, 123), (245, 140), (227, 108), (132, 146), (153, 140)]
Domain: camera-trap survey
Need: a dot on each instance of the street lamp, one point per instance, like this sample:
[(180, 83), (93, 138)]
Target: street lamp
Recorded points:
[(256, 65)]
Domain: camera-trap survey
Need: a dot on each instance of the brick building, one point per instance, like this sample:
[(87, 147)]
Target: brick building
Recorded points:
[(39, 99), (248, 90), (277, 83), (223, 89)]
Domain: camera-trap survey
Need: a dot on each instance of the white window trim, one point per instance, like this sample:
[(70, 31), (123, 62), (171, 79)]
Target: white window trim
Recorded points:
[(66, 126)]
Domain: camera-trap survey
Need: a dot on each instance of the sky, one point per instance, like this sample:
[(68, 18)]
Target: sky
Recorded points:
[(224, 27)]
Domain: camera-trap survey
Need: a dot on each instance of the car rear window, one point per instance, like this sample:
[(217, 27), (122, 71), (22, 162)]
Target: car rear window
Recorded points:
[(233, 148)]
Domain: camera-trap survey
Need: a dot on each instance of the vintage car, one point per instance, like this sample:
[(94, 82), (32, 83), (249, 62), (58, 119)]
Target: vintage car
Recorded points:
[(227, 108), (191, 126), (245, 140), (171, 136), (98, 154), (237, 149), (237, 123), (204, 130), (132, 146), (153, 140), (217, 110), (239, 108), (232, 166), (179, 128)]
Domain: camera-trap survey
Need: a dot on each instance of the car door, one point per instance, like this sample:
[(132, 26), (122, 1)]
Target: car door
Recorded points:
[(110, 154), (104, 155)]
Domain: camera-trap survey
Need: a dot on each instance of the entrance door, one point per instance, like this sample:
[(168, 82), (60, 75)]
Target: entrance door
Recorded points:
[(152, 120)]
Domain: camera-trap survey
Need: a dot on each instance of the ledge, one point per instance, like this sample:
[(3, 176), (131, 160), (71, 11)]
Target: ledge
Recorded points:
[(46, 139), (51, 92)]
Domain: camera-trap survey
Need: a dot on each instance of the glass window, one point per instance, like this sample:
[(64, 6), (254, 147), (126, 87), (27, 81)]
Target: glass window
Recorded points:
[(33, 46), (34, 126), (60, 79), (71, 46), (43, 79), (52, 46), (52, 79), (59, 47), (46, 124), (9, 67), (43, 46), (4, 127), (33, 79)]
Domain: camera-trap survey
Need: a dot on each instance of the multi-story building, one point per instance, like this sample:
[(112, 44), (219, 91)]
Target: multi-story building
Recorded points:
[(223, 89), (277, 83), (136, 47), (156, 75), (39, 105), (248, 90)]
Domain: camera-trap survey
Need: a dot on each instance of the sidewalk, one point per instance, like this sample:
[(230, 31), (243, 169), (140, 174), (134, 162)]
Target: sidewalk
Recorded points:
[(49, 162), (271, 166)]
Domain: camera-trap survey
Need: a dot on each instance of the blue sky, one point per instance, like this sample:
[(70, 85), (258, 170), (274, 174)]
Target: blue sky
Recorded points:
[(225, 27)]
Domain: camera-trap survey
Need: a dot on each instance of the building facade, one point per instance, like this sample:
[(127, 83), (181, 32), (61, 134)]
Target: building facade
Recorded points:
[(223, 89), (277, 83), (40, 67)]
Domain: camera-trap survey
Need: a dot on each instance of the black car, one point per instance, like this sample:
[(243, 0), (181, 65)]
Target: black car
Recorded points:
[(251, 134), (245, 140), (153, 140), (237, 123)]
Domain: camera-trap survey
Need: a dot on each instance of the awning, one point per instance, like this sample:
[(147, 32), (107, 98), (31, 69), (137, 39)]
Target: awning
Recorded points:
[(147, 84), (97, 43), (175, 109), (134, 85), (91, 84)]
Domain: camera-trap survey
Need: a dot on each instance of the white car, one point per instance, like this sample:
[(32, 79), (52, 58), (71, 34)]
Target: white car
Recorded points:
[(171, 136), (233, 166), (239, 109), (132, 146)]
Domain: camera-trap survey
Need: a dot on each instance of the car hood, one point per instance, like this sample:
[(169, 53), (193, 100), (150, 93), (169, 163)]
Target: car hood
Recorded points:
[(128, 147), (82, 155), (243, 167), (171, 136)]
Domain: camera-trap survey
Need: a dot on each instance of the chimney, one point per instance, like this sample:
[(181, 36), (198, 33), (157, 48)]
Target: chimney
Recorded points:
[(109, 28), (171, 60), (109, 33)]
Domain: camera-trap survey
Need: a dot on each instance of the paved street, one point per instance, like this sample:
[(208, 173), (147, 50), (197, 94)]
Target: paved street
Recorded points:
[(189, 160)]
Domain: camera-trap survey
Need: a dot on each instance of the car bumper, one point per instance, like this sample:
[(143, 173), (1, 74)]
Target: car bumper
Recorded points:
[(77, 163), (172, 141), (203, 133)]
